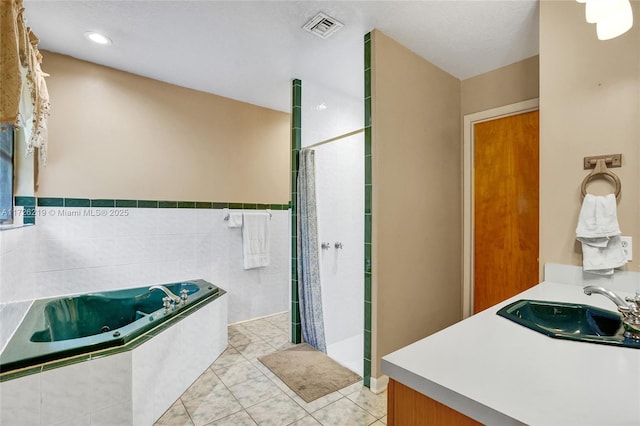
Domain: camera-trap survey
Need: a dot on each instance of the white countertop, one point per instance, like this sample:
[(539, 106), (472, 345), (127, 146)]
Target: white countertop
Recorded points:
[(499, 372)]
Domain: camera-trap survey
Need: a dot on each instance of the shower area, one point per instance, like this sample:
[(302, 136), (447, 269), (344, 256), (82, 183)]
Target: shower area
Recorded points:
[(340, 201), (332, 128)]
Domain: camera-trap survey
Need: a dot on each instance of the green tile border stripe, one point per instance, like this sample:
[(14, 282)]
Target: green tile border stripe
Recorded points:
[(122, 203), (77, 202), (296, 145), (201, 205), (103, 203), (50, 202), (30, 204), (25, 201), (368, 231), (167, 204), (148, 204), (126, 203)]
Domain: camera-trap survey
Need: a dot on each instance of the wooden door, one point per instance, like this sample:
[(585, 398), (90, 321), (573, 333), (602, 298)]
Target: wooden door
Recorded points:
[(505, 188)]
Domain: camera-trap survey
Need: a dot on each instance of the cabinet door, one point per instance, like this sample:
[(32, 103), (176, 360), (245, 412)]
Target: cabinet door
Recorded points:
[(407, 407)]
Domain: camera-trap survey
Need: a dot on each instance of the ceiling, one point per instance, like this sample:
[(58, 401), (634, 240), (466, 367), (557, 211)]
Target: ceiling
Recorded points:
[(250, 50)]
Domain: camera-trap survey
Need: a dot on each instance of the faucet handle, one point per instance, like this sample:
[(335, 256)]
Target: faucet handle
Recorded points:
[(184, 293), (166, 303), (635, 300)]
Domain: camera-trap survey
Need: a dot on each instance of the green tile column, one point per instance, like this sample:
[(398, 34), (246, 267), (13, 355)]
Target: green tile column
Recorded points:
[(296, 143), (367, 211), (29, 206)]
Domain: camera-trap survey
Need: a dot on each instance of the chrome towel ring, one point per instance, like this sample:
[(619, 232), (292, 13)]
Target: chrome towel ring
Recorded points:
[(601, 169)]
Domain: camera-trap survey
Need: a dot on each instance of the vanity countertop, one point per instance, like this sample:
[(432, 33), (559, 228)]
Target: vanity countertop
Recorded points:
[(498, 372)]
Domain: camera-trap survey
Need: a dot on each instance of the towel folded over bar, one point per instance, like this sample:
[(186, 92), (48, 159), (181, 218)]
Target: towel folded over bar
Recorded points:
[(255, 239)]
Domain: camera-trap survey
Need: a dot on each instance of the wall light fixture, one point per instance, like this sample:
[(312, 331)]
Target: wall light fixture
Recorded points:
[(612, 17)]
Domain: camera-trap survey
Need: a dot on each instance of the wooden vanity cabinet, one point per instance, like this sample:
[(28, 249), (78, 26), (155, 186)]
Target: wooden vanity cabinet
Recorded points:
[(407, 407)]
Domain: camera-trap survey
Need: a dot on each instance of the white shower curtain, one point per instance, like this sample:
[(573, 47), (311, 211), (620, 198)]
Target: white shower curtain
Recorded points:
[(309, 291)]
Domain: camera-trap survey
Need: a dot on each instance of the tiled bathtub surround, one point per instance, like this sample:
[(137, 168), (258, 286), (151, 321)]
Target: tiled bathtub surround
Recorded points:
[(11, 315), (78, 250), (133, 387)]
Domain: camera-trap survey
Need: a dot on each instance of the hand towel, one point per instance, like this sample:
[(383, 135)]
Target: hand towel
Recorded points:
[(234, 220), (255, 239), (602, 260), (599, 233), (598, 217)]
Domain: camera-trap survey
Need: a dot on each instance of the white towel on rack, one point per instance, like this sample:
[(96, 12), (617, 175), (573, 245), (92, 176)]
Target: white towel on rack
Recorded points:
[(234, 220), (598, 217), (255, 240), (599, 233)]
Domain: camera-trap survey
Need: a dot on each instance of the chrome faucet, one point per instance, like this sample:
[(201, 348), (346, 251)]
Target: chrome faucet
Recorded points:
[(630, 311), (168, 292)]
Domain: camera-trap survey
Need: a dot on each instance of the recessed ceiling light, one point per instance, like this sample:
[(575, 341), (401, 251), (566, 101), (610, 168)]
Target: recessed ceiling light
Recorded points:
[(97, 38)]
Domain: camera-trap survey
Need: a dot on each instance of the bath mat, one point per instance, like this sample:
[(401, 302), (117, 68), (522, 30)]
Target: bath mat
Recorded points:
[(308, 372)]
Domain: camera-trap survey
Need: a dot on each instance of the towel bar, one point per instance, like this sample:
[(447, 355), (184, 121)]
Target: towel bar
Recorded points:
[(226, 211), (601, 169)]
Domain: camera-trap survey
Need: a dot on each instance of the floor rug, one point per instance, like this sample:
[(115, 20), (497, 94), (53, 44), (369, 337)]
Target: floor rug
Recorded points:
[(308, 372)]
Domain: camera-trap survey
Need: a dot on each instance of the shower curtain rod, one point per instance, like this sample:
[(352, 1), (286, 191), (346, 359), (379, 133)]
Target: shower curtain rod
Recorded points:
[(355, 132)]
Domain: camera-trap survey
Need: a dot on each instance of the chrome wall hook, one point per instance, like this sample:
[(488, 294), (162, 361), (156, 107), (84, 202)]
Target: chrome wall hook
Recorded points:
[(338, 245)]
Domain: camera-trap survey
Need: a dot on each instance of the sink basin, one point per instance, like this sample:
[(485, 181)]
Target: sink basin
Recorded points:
[(570, 321)]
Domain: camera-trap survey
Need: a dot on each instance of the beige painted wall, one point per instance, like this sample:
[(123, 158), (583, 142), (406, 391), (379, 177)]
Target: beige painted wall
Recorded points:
[(416, 198), (117, 135), (504, 86), (589, 105)]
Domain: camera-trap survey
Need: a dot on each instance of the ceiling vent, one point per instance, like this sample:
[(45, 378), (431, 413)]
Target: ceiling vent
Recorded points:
[(323, 25)]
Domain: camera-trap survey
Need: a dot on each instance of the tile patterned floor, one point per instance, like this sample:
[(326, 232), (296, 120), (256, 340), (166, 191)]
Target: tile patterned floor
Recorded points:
[(237, 390)]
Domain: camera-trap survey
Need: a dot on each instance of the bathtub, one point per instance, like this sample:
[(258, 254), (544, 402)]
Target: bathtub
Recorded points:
[(98, 354), (62, 327)]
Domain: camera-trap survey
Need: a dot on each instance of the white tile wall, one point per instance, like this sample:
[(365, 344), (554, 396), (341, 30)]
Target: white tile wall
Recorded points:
[(18, 264), (20, 399), (66, 253), (65, 394)]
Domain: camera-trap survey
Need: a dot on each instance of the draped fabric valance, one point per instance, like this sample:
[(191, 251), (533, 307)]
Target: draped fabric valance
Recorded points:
[(24, 99)]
